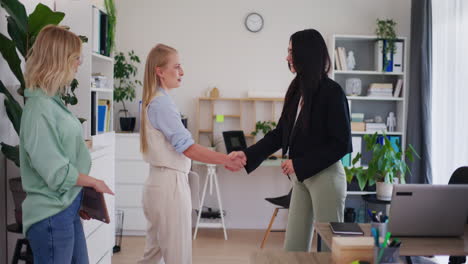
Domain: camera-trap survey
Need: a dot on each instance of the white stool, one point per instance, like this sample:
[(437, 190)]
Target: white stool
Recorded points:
[(211, 177)]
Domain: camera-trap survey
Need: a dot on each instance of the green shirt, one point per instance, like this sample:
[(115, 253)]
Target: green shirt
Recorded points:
[(52, 154)]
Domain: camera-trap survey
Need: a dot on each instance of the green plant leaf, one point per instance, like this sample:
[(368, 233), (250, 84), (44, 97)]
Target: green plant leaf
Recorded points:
[(8, 51), (13, 108), (11, 153), (41, 17), (17, 35), (17, 11)]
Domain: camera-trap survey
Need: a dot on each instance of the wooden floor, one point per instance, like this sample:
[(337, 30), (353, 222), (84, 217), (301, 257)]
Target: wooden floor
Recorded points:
[(209, 247)]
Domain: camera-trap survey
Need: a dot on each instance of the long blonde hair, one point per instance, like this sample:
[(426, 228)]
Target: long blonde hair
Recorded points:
[(50, 61), (158, 57)]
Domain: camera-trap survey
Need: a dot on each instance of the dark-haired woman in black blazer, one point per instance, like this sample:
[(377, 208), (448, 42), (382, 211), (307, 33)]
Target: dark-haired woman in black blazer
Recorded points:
[(314, 131)]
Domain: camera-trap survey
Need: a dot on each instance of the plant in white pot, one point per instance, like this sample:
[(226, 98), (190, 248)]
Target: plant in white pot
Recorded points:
[(125, 71), (386, 167)]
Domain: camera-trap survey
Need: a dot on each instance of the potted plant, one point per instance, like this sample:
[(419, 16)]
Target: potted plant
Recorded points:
[(386, 167), (125, 71), (386, 31), (264, 127)]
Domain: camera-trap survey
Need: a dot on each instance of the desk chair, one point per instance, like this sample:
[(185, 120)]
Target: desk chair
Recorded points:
[(26, 256), (282, 202), (459, 176)]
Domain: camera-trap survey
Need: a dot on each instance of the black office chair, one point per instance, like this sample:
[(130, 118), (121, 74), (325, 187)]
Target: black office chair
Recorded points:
[(282, 202), (459, 176)]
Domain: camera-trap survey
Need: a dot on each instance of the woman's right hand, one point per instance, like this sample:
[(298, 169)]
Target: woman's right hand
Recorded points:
[(236, 161), (101, 186)]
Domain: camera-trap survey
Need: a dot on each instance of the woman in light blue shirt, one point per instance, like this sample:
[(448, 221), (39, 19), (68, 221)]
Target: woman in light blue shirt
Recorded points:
[(168, 147)]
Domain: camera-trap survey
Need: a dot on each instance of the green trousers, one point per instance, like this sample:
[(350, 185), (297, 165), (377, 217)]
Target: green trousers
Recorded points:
[(320, 198)]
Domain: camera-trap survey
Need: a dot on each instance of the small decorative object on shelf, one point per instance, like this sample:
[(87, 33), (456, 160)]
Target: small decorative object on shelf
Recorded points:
[(214, 93), (98, 80), (350, 61), (391, 122), (353, 86)]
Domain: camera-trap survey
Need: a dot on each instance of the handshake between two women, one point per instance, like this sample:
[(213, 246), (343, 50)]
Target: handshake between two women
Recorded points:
[(237, 161)]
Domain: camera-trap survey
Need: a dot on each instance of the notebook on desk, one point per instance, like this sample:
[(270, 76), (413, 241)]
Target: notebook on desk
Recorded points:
[(94, 205), (346, 228)]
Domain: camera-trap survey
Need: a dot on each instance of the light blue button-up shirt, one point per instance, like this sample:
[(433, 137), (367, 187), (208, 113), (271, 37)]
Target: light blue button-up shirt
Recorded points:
[(164, 116)]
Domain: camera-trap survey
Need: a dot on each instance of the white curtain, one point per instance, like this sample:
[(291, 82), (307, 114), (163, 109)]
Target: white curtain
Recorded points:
[(449, 146)]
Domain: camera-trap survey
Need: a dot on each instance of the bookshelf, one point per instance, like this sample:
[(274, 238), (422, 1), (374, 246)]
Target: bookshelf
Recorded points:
[(238, 114), (79, 17), (366, 55)]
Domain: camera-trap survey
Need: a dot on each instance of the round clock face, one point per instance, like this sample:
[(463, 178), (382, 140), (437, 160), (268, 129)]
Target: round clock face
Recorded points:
[(254, 22)]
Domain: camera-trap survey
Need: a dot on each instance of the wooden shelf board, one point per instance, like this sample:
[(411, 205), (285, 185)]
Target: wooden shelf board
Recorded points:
[(380, 133), (375, 98), (102, 57), (231, 116), (205, 131), (369, 73), (241, 99)]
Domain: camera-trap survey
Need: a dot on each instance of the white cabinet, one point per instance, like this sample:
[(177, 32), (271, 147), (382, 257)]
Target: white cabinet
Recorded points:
[(100, 237), (131, 173)]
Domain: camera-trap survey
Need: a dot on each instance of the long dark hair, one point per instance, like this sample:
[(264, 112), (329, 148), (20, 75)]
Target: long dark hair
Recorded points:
[(312, 64)]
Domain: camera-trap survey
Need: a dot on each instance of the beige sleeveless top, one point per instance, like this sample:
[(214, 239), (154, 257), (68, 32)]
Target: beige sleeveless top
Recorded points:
[(160, 152)]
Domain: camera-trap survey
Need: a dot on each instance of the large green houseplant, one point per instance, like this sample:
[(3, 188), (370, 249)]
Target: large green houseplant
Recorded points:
[(125, 84), (386, 167), (22, 30)]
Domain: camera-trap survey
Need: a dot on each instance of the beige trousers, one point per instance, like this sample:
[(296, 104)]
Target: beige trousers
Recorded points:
[(167, 208)]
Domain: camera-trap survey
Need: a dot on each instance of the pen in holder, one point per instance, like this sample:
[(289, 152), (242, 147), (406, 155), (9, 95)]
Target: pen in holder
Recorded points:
[(380, 227), (388, 255)]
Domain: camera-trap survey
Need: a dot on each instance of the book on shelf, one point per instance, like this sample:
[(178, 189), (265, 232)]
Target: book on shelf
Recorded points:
[(100, 28), (104, 115), (398, 87), (96, 29), (93, 113), (357, 148), (357, 117), (398, 57), (358, 126), (337, 60), (346, 160), (380, 89), (376, 127), (394, 59), (395, 141), (342, 55)]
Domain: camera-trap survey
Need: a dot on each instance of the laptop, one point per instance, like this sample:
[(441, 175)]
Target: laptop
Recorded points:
[(428, 210)]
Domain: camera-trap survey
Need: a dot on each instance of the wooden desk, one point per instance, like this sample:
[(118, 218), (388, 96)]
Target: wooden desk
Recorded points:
[(280, 257), (410, 246)]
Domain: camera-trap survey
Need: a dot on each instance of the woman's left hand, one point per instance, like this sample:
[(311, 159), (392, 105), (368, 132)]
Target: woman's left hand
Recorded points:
[(287, 167)]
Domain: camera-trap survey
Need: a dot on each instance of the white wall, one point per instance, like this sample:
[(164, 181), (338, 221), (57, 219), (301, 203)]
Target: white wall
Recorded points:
[(217, 50)]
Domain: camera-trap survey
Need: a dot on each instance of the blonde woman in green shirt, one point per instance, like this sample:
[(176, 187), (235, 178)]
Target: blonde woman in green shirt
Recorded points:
[(54, 159)]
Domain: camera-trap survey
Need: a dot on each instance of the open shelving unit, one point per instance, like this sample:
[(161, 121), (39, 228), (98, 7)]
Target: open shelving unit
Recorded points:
[(364, 50), (238, 114)]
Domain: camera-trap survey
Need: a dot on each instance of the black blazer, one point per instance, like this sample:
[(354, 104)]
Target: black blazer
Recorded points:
[(315, 147)]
